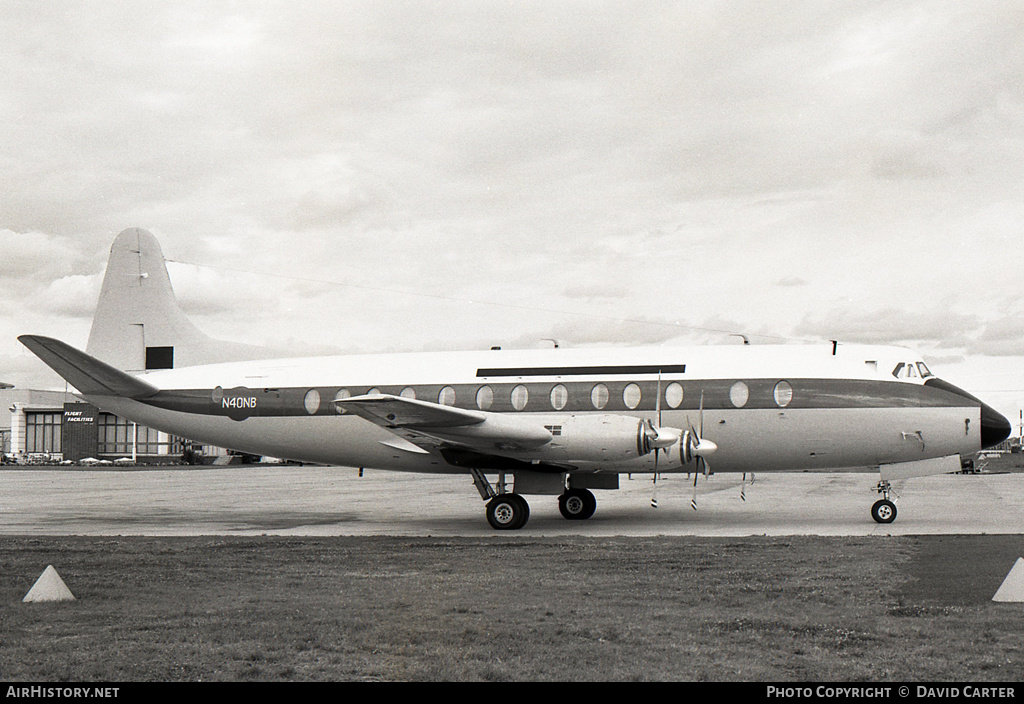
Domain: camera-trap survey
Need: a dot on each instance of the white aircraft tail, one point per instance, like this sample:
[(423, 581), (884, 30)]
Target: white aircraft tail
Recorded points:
[(138, 324)]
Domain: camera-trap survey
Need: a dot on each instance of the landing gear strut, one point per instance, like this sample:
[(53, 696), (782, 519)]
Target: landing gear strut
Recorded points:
[(884, 510)]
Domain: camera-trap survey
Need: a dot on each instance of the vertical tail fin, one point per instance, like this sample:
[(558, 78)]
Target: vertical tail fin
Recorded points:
[(138, 323)]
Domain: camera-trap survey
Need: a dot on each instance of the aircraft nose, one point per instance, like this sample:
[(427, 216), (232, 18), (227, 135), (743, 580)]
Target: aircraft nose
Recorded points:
[(994, 426)]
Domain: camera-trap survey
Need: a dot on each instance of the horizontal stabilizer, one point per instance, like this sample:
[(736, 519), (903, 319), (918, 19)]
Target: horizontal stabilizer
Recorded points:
[(87, 374)]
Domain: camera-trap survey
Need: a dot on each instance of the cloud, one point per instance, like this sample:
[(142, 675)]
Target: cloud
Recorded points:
[(790, 282), (935, 326), (811, 171)]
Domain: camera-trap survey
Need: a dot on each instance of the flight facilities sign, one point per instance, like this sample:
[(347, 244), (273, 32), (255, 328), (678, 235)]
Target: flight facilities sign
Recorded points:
[(79, 431)]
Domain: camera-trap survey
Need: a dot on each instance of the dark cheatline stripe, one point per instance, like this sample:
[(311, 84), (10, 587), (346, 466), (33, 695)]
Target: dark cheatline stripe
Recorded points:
[(583, 371)]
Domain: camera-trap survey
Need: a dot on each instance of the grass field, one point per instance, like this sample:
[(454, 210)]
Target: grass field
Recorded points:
[(512, 608)]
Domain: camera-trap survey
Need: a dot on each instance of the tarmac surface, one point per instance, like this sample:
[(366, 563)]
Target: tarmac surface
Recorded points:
[(336, 501)]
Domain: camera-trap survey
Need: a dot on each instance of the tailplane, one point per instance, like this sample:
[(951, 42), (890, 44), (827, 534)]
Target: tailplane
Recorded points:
[(138, 323)]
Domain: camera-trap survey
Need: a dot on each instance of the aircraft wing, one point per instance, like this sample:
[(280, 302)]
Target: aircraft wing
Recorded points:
[(429, 425), (397, 412)]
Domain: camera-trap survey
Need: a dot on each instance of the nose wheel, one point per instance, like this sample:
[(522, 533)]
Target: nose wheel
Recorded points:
[(884, 510)]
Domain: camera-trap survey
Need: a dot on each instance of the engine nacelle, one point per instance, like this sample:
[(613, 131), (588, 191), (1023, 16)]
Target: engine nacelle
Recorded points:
[(597, 438)]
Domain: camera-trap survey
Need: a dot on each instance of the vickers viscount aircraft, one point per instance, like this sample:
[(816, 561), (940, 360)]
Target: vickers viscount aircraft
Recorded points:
[(561, 422)]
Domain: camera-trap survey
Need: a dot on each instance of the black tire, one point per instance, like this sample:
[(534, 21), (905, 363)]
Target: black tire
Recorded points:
[(577, 504), (508, 512), (884, 511)]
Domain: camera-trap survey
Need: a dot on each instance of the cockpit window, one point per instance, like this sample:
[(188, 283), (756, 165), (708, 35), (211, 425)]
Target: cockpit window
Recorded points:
[(911, 370)]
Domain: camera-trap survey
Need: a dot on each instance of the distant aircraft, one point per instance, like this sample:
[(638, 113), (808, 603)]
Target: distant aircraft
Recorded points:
[(559, 422)]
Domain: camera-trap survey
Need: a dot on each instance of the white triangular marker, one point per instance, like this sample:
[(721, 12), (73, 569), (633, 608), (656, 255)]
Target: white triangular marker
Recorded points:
[(49, 587), (1012, 588)]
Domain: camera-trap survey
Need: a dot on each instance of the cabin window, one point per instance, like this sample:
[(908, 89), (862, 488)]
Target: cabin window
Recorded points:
[(738, 394), (559, 397), (311, 401), (341, 396), (925, 371), (373, 392), (484, 398), (631, 396), (674, 394), (599, 396), (446, 397), (408, 392), (519, 397), (783, 393)]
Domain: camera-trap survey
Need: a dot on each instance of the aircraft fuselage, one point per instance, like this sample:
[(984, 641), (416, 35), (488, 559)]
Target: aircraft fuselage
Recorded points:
[(765, 407)]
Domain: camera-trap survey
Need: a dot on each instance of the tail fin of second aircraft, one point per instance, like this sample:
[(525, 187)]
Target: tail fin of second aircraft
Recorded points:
[(138, 324)]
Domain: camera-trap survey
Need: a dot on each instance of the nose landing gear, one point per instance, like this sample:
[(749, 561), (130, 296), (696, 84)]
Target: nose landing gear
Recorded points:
[(884, 510)]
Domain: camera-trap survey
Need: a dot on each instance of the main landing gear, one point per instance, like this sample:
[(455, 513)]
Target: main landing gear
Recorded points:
[(884, 510), (507, 510), (510, 511), (577, 504)]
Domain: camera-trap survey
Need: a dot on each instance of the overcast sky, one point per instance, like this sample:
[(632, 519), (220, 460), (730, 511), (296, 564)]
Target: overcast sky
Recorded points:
[(363, 176)]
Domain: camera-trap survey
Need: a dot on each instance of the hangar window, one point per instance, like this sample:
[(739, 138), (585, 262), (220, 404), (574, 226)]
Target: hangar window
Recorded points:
[(599, 396), (738, 394), (519, 397), (43, 432), (373, 392), (446, 397), (674, 394), (340, 396), (484, 398), (631, 396), (311, 401), (559, 397), (783, 393), (408, 392)]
